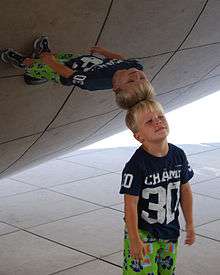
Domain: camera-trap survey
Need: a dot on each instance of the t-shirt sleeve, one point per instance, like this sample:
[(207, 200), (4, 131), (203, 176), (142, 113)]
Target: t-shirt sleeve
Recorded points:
[(135, 64), (186, 171), (131, 180)]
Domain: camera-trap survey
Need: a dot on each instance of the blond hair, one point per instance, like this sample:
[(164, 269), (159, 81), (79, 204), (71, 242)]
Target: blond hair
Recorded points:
[(149, 105), (126, 99)]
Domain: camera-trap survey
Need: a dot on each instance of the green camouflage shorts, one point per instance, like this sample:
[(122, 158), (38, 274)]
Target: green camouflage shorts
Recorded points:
[(40, 70), (160, 257)]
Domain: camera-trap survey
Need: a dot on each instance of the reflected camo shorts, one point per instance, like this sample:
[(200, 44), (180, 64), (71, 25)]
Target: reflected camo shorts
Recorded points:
[(39, 70)]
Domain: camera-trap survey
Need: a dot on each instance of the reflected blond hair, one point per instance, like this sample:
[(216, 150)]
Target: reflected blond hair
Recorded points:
[(127, 99), (149, 105)]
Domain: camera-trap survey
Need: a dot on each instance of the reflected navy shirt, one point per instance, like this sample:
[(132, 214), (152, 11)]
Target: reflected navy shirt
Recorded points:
[(94, 73)]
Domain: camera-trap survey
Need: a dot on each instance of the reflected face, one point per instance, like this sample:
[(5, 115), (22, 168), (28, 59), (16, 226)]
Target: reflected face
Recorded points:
[(127, 79), (152, 127)]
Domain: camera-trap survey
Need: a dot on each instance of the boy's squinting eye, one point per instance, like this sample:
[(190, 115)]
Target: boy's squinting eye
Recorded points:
[(149, 121), (161, 117)]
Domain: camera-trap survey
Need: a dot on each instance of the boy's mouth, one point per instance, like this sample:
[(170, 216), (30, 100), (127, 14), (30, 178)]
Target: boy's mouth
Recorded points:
[(160, 129), (116, 91)]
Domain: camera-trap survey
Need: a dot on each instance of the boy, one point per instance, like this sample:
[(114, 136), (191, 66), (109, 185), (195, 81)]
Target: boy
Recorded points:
[(85, 71), (154, 181)]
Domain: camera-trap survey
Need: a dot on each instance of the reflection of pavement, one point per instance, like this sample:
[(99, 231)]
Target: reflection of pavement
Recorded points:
[(72, 215)]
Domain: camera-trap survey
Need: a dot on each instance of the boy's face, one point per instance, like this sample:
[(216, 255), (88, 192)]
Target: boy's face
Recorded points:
[(126, 79), (152, 127)]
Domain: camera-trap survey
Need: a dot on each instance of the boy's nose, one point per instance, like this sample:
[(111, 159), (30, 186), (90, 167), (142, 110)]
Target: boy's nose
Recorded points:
[(135, 76), (157, 120)]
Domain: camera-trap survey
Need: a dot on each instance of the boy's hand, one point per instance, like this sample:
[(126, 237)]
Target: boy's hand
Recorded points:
[(97, 49), (106, 53), (190, 235), (138, 250)]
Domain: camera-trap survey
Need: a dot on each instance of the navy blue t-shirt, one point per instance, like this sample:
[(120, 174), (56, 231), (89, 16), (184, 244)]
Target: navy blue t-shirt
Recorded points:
[(157, 181), (94, 73)]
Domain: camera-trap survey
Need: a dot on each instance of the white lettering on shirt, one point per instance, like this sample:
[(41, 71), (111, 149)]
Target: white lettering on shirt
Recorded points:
[(127, 180), (79, 79), (162, 177)]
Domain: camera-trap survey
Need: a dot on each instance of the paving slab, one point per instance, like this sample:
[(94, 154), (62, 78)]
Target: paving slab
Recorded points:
[(200, 258), (98, 233), (119, 207), (48, 174), (5, 229), (206, 165), (41, 206), (34, 255), (116, 258), (191, 149), (205, 210), (103, 189), (93, 268), (10, 187), (215, 144), (113, 159), (208, 188), (210, 230)]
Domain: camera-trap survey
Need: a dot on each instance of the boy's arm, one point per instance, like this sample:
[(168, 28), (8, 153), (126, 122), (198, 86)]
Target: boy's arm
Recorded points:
[(186, 203), (136, 245), (59, 68), (106, 53)]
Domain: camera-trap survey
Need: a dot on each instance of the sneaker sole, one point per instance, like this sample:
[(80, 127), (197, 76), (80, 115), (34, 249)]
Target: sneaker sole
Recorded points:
[(8, 61), (2, 51), (34, 81)]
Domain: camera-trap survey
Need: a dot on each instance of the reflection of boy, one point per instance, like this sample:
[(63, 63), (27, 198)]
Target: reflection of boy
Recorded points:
[(125, 77), (154, 182)]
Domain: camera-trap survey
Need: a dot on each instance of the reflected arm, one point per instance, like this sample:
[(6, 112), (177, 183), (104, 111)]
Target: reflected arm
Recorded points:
[(106, 53)]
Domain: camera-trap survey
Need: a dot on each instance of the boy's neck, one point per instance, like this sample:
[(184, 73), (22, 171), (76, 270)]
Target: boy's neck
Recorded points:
[(159, 149)]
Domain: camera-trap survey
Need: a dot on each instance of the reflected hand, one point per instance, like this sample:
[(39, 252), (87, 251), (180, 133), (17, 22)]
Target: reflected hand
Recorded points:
[(97, 49)]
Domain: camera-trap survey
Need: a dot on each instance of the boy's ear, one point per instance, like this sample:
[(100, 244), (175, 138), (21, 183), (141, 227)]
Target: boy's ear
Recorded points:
[(115, 88), (138, 137)]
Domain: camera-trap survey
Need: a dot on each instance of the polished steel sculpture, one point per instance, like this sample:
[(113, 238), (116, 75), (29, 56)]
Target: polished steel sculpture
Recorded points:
[(178, 43)]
